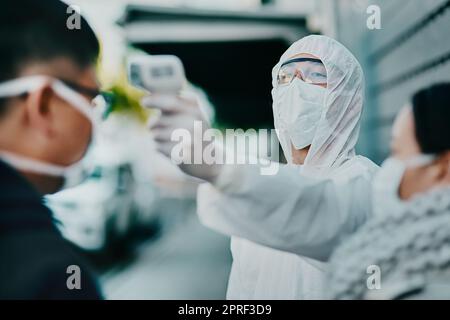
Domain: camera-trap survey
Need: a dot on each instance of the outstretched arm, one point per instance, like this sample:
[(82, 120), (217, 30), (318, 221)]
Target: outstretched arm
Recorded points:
[(285, 211)]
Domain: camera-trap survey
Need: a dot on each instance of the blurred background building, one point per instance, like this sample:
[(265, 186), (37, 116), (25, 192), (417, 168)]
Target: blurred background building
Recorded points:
[(137, 203), (410, 51)]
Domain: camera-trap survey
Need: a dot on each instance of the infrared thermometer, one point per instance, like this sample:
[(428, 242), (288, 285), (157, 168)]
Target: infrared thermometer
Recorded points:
[(161, 74)]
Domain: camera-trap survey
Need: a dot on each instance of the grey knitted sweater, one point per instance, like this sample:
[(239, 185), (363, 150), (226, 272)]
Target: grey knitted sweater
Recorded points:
[(410, 250)]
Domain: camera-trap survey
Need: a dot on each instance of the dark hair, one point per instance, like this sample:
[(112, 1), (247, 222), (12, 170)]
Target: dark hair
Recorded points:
[(36, 30), (431, 108)]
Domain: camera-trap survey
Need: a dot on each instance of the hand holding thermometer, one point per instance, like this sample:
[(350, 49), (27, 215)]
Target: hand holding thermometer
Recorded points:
[(163, 77)]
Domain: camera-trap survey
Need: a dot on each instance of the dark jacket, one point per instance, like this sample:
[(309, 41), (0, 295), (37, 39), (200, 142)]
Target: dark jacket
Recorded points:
[(34, 257)]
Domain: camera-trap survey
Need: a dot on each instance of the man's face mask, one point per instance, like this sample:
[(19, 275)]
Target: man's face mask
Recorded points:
[(72, 174), (299, 101)]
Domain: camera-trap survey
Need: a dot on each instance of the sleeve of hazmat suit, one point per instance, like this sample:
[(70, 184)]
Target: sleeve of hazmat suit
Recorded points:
[(302, 215), (305, 213)]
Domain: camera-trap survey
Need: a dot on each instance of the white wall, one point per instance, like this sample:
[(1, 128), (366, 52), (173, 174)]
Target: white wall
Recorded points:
[(424, 45)]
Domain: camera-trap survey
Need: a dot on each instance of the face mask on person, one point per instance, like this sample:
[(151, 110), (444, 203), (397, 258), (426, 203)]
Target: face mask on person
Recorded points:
[(298, 107), (387, 182), (74, 173)]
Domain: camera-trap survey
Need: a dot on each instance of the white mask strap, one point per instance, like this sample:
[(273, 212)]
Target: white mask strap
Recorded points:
[(420, 161), (74, 98), (32, 165), (23, 85)]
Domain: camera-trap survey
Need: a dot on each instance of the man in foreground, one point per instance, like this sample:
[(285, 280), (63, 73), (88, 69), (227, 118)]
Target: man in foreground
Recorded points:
[(47, 83)]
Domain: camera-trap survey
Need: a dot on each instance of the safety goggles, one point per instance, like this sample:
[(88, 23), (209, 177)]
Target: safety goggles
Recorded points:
[(309, 70), (89, 102)]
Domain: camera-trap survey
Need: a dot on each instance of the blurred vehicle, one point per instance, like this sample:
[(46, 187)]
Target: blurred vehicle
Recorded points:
[(99, 210)]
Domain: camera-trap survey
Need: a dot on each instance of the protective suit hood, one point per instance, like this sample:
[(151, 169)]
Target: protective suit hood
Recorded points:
[(338, 128)]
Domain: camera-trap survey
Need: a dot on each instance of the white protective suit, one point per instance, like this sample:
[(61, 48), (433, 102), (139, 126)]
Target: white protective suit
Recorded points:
[(303, 211)]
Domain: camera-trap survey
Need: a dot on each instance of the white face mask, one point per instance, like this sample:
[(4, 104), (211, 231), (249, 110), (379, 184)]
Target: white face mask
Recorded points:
[(72, 174), (386, 199), (297, 111)]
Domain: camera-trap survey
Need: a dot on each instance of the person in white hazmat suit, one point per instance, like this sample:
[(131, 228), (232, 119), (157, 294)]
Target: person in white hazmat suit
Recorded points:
[(285, 226)]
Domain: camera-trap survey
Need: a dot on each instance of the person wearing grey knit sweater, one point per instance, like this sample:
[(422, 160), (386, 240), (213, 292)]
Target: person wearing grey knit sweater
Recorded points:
[(403, 252)]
